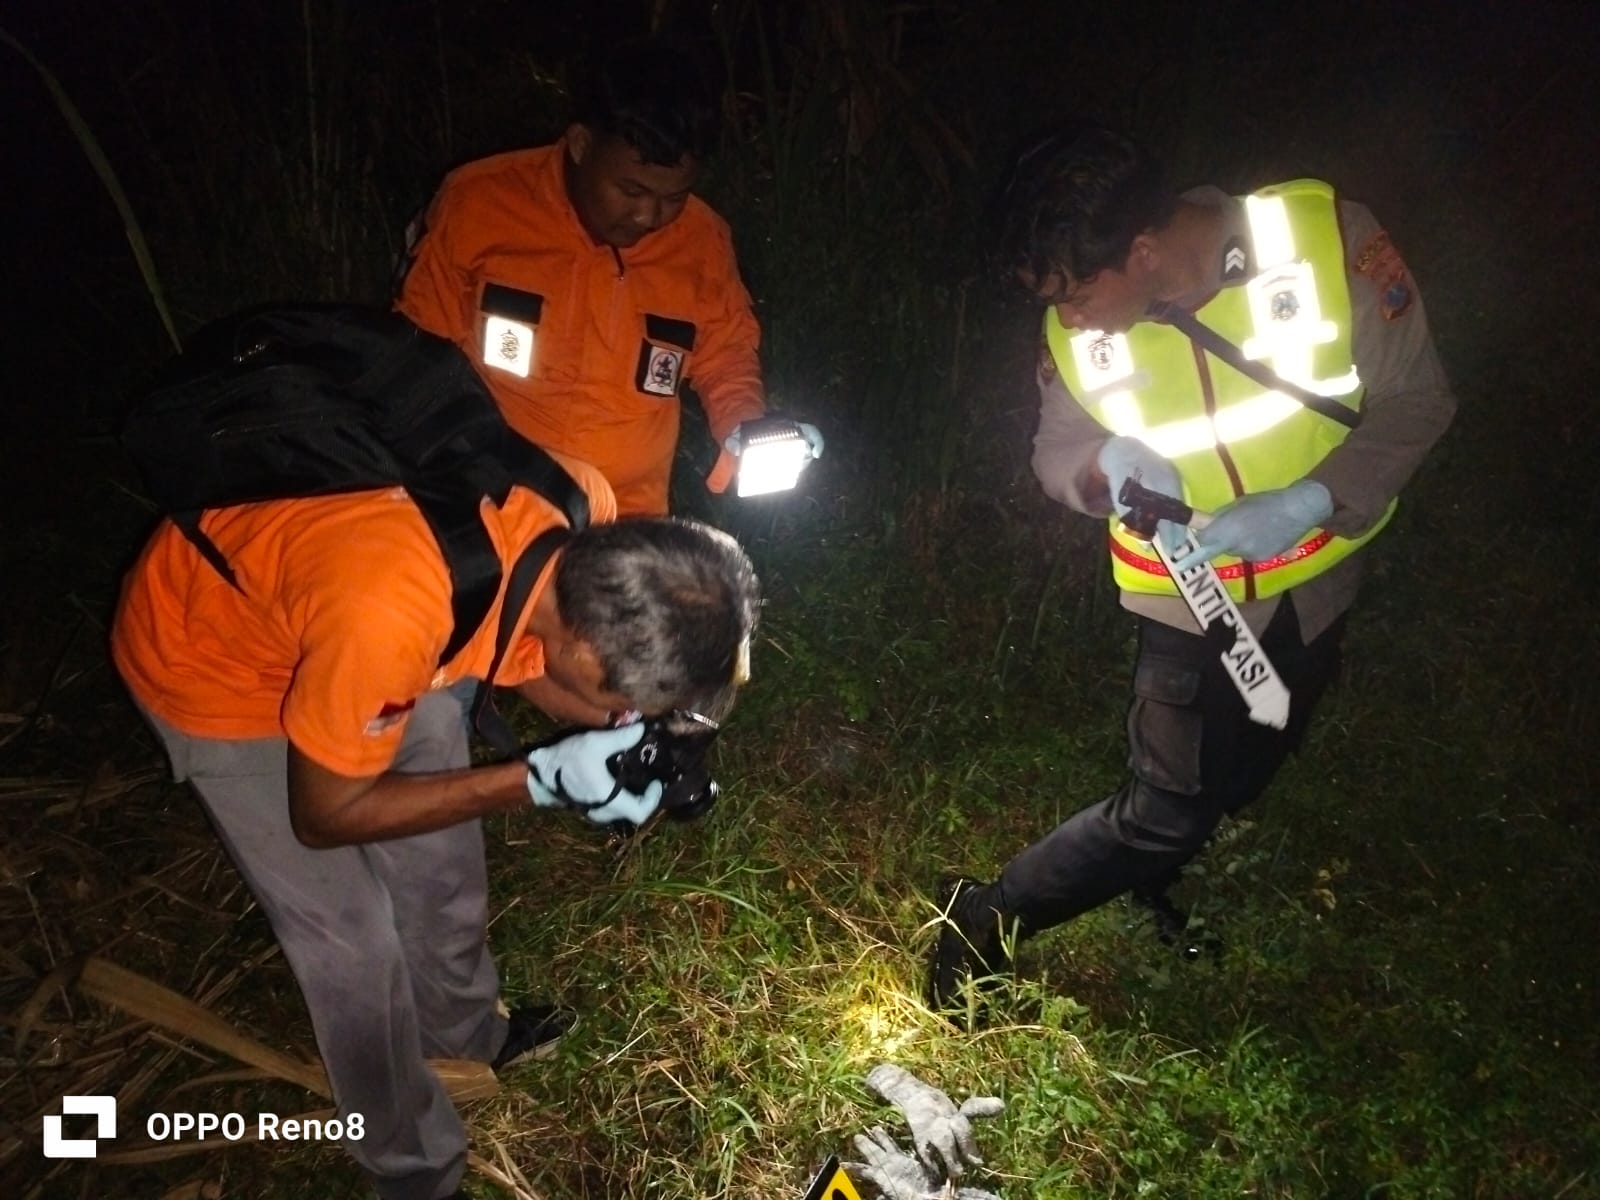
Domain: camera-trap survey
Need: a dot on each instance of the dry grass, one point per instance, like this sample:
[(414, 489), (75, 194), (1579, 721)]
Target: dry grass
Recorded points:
[(69, 905), (92, 1026)]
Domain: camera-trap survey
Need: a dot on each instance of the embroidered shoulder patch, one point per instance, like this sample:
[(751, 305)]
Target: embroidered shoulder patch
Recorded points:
[(1380, 262)]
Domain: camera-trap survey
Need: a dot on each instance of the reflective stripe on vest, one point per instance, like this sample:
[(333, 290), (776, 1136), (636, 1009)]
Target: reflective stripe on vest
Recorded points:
[(1235, 569), (1226, 434)]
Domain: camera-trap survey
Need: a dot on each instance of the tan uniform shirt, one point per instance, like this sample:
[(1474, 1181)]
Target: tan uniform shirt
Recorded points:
[(1408, 404)]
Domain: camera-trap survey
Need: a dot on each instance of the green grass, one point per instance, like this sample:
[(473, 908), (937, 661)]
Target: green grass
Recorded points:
[(1403, 1006), (1400, 1009)]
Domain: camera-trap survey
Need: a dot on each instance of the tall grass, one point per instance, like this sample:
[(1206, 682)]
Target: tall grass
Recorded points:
[(107, 175), (847, 189)]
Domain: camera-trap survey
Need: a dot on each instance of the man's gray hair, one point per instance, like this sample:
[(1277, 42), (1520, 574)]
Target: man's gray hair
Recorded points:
[(668, 605)]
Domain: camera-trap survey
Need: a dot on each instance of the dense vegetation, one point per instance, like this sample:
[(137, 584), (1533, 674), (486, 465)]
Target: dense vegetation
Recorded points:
[(1404, 1004)]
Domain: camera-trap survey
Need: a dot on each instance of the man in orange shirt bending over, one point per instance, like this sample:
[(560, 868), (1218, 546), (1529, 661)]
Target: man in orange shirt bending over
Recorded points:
[(308, 708), (588, 285)]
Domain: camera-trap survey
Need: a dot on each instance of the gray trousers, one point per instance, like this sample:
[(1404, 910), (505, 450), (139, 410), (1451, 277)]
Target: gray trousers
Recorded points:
[(386, 939)]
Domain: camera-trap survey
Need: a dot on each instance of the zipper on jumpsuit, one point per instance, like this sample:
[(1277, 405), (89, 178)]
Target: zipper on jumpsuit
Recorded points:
[(616, 294)]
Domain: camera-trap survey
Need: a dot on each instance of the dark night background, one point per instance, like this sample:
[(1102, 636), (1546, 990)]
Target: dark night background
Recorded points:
[(1467, 128), (1465, 123), (275, 150)]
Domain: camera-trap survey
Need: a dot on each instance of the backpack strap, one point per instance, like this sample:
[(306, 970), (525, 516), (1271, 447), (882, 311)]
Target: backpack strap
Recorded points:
[(490, 725), (453, 513), (531, 466), (188, 523), (452, 508)]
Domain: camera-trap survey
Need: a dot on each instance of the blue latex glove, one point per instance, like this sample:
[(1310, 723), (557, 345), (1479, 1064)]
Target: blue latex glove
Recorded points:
[(734, 442), (1123, 458), (1262, 525), (572, 773)]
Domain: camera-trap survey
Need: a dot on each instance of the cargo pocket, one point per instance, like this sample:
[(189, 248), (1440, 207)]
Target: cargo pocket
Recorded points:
[(1164, 726), (663, 355), (508, 320)]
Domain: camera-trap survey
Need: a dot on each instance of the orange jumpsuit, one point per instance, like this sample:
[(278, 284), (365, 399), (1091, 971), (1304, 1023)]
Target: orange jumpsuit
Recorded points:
[(585, 347), (344, 612)]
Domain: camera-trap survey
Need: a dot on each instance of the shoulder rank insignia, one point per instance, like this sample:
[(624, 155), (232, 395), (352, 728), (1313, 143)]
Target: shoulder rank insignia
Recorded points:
[(1235, 260)]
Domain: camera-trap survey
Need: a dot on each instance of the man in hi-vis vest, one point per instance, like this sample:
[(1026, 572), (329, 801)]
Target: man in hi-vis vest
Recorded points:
[(1264, 359)]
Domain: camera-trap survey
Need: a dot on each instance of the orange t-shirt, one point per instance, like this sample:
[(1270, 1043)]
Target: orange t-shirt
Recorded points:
[(344, 612), (586, 348)]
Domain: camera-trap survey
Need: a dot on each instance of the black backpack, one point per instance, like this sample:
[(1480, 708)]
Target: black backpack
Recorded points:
[(311, 400)]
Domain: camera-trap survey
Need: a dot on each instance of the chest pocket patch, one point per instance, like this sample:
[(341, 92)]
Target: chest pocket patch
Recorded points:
[(663, 355), (510, 320)]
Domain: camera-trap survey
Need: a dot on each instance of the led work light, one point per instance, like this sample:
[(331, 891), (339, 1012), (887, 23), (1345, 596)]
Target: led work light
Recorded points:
[(773, 453)]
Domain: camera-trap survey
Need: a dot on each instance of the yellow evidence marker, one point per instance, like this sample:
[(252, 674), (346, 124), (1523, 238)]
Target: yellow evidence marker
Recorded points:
[(832, 1183)]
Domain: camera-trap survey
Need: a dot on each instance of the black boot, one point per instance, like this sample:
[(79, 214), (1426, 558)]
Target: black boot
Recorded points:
[(1172, 923), (971, 946)]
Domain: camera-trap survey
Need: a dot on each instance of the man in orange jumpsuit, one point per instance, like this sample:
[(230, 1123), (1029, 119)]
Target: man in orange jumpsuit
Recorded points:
[(308, 709), (588, 284)]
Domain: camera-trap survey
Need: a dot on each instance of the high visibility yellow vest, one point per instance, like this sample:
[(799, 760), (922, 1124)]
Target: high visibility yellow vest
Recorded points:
[(1227, 434)]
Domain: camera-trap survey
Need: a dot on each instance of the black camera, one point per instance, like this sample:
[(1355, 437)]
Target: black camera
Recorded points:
[(673, 751)]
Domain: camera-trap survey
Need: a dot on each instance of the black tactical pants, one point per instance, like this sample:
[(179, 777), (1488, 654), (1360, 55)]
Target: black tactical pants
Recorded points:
[(1195, 756)]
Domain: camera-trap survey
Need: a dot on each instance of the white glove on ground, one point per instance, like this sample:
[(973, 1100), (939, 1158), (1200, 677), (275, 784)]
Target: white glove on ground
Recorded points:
[(898, 1175), (941, 1132)]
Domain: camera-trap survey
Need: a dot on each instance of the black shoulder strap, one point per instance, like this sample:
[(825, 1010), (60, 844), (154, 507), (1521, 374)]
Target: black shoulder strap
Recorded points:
[(451, 507), (466, 547), (1209, 339), (452, 511), (531, 466), (468, 554), (188, 523), (490, 725)]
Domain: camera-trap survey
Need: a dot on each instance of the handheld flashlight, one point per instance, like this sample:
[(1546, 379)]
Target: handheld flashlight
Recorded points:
[(773, 453)]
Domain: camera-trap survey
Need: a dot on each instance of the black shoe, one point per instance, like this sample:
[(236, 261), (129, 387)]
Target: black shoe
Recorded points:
[(531, 1033), (971, 947), (1172, 925)]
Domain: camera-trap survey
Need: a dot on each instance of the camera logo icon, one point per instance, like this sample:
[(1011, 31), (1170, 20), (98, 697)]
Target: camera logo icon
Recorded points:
[(102, 1108)]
